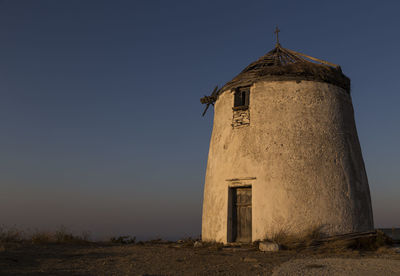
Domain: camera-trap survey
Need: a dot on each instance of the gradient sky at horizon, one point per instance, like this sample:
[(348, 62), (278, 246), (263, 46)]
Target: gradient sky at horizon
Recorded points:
[(101, 126)]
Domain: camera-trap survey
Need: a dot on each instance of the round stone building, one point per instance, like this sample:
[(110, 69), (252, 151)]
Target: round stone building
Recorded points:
[(284, 153)]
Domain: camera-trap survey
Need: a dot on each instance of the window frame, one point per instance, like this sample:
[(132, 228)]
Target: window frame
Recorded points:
[(241, 98)]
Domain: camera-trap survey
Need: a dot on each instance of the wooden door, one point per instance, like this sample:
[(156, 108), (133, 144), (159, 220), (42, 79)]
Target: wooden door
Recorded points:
[(241, 214)]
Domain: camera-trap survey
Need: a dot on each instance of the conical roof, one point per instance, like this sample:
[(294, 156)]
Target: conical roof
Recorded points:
[(284, 64)]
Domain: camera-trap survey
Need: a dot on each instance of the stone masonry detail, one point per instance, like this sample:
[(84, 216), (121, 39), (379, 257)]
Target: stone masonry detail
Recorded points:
[(241, 118)]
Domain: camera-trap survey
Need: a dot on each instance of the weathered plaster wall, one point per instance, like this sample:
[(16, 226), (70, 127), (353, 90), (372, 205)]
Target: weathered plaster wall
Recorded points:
[(302, 148)]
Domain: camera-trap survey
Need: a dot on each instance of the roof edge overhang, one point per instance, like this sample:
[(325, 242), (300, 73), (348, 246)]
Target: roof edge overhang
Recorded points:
[(281, 64), (344, 84)]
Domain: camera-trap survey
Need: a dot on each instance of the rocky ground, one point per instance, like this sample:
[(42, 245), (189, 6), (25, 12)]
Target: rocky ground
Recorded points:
[(184, 259)]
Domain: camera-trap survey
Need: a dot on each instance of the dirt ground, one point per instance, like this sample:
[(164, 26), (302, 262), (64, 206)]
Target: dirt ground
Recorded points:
[(184, 259)]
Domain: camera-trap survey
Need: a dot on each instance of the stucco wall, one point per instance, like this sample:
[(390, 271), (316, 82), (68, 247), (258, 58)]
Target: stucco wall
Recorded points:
[(301, 155)]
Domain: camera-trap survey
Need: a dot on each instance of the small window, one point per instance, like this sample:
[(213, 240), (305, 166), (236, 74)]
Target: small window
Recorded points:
[(242, 98)]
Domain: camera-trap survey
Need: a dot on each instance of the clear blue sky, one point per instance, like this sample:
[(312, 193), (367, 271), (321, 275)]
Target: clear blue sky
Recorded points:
[(100, 118)]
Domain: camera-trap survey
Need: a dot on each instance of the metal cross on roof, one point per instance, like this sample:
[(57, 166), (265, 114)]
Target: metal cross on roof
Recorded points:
[(277, 35)]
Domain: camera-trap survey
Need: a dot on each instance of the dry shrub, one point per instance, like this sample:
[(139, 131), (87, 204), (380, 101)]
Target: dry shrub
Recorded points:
[(313, 238), (366, 243), (336, 246), (371, 242), (188, 241), (123, 240), (42, 238), (158, 241), (296, 241), (213, 245), (10, 234), (62, 235)]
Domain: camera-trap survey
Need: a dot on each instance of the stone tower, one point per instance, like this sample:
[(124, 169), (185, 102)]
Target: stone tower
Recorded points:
[(284, 153)]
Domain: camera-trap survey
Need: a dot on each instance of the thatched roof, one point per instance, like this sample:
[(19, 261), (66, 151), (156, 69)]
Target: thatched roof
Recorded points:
[(284, 64)]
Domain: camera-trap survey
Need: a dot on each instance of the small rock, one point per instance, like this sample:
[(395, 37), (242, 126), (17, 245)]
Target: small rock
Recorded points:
[(198, 244), (268, 246), (180, 241), (390, 249), (236, 249), (249, 260)]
